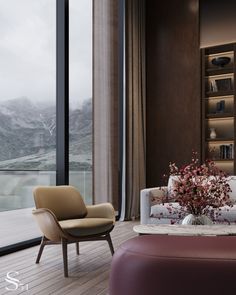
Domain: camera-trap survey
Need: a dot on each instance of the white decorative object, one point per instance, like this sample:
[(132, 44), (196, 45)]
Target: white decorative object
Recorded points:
[(197, 220), (212, 133)]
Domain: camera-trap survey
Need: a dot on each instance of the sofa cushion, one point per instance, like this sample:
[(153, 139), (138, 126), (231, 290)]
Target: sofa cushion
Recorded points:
[(173, 179), (232, 183), (157, 195), (167, 210), (225, 214), (174, 211), (170, 185)]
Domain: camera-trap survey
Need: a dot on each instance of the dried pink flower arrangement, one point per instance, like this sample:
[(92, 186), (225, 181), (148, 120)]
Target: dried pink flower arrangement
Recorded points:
[(199, 188)]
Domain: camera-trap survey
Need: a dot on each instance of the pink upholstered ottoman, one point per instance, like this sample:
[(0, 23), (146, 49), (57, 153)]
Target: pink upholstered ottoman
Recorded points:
[(173, 265)]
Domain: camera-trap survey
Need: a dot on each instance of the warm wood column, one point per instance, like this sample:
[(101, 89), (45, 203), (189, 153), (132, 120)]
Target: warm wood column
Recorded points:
[(173, 85)]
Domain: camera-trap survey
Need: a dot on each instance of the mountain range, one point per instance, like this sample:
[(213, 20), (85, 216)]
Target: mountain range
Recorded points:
[(28, 135)]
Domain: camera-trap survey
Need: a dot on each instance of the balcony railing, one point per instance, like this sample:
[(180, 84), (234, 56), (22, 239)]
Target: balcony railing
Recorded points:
[(16, 186)]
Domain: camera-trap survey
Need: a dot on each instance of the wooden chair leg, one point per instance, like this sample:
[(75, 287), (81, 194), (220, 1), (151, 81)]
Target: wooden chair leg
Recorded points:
[(110, 244), (65, 258), (42, 245), (77, 247)]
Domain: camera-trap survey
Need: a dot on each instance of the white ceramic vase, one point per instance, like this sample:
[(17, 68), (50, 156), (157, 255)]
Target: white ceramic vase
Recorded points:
[(212, 133), (197, 220)]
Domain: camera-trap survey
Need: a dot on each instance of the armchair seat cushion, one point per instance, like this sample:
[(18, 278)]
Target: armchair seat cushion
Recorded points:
[(86, 226)]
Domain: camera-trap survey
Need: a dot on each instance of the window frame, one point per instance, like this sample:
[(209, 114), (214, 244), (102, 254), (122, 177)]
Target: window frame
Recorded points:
[(62, 107), (62, 110)]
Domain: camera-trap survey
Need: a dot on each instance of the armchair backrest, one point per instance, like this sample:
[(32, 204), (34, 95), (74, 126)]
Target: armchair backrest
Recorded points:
[(64, 201)]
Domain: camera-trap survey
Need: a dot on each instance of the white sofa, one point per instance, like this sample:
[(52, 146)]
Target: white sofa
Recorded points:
[(152, 211)]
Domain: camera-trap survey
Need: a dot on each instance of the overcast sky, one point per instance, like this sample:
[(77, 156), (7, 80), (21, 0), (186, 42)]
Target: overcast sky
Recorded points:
[(28, 49)]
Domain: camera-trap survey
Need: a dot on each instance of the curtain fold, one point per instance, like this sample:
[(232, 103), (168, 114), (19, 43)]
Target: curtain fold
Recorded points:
[(106, 105), (105, 102), (135, 117)]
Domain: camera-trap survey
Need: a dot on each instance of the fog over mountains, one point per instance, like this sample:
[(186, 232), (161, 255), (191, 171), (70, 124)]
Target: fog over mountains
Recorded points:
[(28, 135)]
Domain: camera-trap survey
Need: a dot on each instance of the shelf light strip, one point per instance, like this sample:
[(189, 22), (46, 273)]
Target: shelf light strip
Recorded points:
[(220, 119), (220, 54), (219, 97), (230, 75), (220, 142)]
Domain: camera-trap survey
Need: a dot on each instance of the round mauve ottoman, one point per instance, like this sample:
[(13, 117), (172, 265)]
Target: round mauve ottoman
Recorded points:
[(166, 265)]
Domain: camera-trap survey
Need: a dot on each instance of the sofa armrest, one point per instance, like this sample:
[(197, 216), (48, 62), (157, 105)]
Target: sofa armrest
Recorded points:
[(146, 199)]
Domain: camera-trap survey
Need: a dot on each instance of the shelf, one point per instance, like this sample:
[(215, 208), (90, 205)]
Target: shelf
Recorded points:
[(223, 160), (218, 142), (219, 115), (220, 76), (211, 52), (220, 93), (219, 71), (218, 119), (219, 139), (229, 97)]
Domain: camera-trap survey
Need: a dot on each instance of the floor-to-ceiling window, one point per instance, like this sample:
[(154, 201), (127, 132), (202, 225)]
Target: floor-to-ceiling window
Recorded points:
[(34, 105), (80, 93), (27, 111)]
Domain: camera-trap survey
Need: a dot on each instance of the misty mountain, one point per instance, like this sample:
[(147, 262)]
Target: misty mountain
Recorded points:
[(28, 135)]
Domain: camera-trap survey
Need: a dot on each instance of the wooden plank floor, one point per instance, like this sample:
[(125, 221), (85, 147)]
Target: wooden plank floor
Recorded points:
[(88, 272)]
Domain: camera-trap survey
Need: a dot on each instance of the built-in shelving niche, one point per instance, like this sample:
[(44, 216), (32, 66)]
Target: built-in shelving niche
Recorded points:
[(218, 106)]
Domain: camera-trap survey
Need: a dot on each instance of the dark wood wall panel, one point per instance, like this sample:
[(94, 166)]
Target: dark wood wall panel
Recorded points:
[(217, 22), (173, 85)]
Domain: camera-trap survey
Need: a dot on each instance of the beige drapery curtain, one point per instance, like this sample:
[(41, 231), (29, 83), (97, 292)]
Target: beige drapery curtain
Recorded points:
[(135, 156), (105, 101)]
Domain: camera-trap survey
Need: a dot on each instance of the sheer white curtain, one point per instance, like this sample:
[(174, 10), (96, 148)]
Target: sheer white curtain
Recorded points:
[(105, 101)]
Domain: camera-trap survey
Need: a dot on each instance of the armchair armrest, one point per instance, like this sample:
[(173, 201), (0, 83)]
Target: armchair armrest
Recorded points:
[(48, 224), (104, 210), (147, 197)]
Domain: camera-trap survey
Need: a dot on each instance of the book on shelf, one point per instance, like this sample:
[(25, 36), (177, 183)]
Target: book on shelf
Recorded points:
[(212, 86), (221, 85), (227, 151)]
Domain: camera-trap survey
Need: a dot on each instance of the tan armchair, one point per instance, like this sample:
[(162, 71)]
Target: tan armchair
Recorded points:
[(63, 218)]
